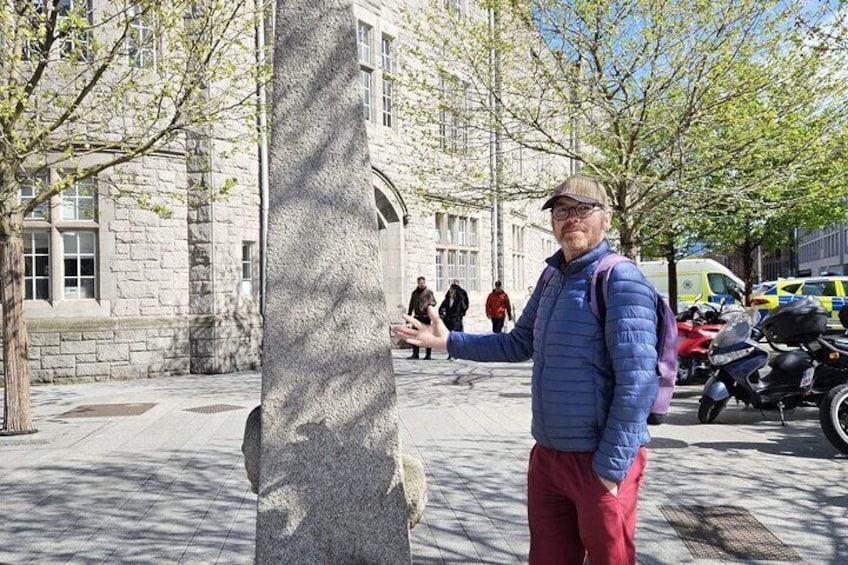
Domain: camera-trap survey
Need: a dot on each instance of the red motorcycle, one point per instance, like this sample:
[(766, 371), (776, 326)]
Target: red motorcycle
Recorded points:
[(696, 328)]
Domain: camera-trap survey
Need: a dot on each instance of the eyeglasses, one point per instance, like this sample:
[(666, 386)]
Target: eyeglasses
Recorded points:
[(581, 211)]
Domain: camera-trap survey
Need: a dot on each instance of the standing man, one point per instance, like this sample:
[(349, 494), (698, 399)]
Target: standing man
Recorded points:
[(498, 308), (422, 298), (460, 291), (593, 386)]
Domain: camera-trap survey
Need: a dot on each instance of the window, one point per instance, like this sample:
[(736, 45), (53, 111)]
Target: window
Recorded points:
[(78, 201), (364, 40), (30, 188), (453, 131), (73, 28), (386, 53), (365, 79), (388, 112), (454, 7), (792, 288), (37, 265), (61, 242), (364, 33), (387, 65), (141, 41), (79, 256), (720, 284), (547, 246), (819, 288), (246, 287), (517, 257), (456, 251)]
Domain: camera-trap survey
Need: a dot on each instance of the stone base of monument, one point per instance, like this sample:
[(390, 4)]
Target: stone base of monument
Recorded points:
[(414, 480)]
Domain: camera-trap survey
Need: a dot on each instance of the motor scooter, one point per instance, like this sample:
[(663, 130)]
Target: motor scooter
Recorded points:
[(696, 329), (793, 377), (833, 408)]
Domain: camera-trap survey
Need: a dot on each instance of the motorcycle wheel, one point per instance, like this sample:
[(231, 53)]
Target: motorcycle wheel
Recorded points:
[(685, 370), (710, 409), (833, 417)]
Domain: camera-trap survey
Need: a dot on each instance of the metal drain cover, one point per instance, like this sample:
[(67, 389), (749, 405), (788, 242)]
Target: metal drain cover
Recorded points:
[(726, 532), (214, 408), (108, 410)]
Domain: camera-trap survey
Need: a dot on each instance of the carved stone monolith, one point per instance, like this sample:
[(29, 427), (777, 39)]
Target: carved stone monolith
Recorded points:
[(330, 485)]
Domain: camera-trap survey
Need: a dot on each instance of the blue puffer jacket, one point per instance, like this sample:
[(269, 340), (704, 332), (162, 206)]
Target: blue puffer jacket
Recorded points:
[(589, 393)]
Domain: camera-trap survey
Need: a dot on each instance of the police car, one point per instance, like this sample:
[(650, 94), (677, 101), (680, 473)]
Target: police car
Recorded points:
[(831, 291)]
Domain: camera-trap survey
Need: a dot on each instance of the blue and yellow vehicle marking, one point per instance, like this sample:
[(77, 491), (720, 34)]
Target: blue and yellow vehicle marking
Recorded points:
[(832, 304)]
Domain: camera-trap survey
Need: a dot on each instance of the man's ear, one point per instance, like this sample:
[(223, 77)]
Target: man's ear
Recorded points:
[(607, 219)]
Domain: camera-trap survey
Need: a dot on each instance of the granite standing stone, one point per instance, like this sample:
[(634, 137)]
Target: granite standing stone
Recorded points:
[(330, 476)]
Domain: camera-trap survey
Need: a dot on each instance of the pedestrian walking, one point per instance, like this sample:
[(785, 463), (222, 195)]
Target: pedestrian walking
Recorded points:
[(419, 303), (452, 310), (593, 386), (498, 308)]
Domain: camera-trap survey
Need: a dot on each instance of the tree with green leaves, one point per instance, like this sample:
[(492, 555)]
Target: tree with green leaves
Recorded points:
[(635, 91), (87, 87), (794, 178)]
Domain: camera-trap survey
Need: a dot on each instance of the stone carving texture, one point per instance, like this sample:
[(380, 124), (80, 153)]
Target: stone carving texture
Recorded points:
[(330, 481)]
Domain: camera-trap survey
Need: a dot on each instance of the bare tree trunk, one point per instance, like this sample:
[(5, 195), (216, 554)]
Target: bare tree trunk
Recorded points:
[(18, 419), (628, 246), (748, 248), (672, 277)]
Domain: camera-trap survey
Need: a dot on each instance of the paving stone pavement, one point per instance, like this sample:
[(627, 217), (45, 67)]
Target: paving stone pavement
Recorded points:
[(168, 486)]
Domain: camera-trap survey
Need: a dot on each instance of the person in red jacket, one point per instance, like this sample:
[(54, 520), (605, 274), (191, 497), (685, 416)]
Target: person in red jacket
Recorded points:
[(498, 308)]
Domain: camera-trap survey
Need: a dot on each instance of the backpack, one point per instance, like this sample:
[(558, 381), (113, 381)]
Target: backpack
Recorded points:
[(666, 330)]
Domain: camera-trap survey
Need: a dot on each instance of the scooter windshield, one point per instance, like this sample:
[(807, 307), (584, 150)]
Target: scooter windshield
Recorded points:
[(736, 330)]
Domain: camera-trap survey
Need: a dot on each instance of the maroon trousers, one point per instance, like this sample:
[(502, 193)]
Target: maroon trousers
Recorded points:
[(571, 512)]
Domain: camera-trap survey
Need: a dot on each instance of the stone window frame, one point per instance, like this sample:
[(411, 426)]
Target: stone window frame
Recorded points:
[(81, 43), (373, 75), (387, 64), (60, 302), (142, 39), (37, 263), (518, 256), (453, 103), (65, 45), (365, 80), (365, 50), (248, 269), (454, 8), (457, 254), (75, 285)]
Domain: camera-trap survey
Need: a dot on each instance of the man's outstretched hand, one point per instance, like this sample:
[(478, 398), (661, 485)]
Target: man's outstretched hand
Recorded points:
[(421, 335)]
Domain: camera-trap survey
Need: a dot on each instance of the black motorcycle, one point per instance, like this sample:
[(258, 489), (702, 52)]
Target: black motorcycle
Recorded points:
[(794, 377), (833, 409)]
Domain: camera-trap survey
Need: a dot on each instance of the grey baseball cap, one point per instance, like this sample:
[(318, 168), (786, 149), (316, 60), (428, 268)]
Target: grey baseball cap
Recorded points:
[(580, 188)]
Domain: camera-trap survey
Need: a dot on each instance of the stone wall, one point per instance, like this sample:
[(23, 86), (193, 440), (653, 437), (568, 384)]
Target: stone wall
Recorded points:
[(107, 349)]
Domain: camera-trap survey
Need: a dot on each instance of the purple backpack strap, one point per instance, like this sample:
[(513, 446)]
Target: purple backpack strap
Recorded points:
[(604, 268)]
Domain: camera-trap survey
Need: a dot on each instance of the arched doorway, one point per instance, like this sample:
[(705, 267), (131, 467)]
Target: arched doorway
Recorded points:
[(391, 219)]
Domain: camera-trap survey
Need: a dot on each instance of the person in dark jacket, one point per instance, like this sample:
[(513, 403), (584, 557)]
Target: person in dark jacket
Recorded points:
[(421, 300), (592, 387), (460, 292), (452, 310)]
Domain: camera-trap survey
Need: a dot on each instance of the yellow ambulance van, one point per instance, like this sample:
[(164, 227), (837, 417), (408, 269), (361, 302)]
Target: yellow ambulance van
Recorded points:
[(705, 277)]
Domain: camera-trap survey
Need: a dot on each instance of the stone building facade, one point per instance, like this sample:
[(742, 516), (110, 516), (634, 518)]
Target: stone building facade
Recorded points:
[(157, 296)]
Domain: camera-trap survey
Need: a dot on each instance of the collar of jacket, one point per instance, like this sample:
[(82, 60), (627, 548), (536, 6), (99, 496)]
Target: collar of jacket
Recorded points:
[(557, 260)]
